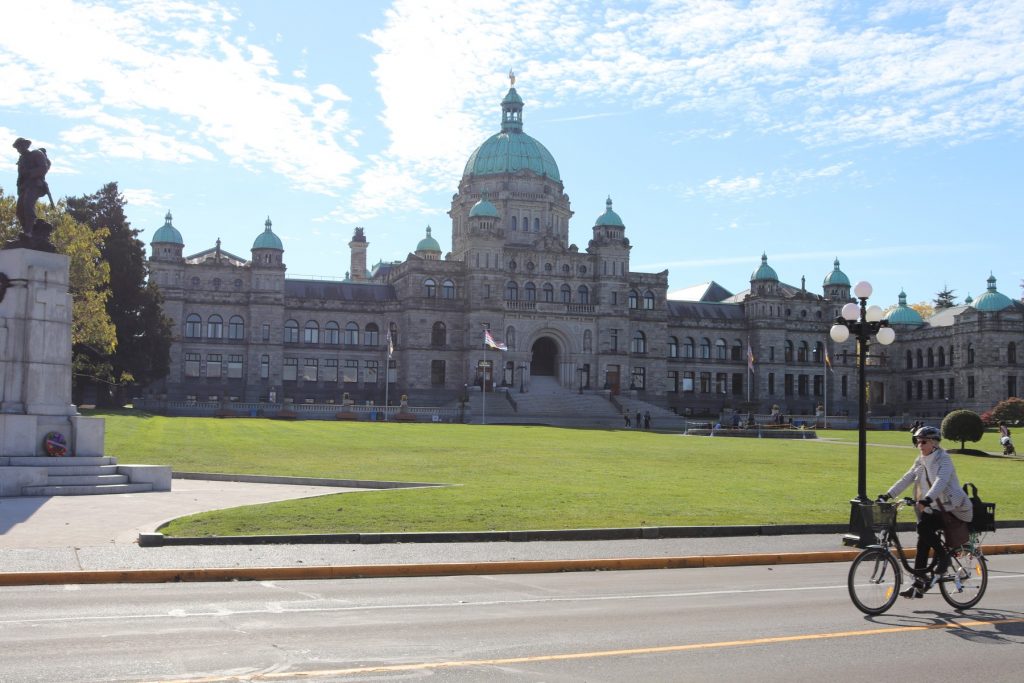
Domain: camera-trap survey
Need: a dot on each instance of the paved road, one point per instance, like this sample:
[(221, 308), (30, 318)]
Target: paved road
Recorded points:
[(785, 623)]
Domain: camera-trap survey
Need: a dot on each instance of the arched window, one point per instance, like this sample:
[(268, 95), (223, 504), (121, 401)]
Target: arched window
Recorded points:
[(311, 332), (371, 334), (429, 288), (942, 357), (634, 300), (639, 343), (510, 338), (736, 352), (920, 359), (566, 294), (193, 326), (448, 290), (648, 300), (215, 327), (332, 333), (705, 348), (514, 223), (673, 347), (788, 354), (512, 291), (236, 327), (819, 352), (802, 352), (1011, 353), (588, 341), (583, 294), (931, 358), (721, 352), (548, 292), (536, 225), (910, 359), (688, 347), (291, 332), (438, 335), (530, 291), (351, 334)]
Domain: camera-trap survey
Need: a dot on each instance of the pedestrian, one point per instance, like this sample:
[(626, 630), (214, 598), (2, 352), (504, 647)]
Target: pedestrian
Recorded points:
[(639, 424), (625, 416), (647, 419), (913, 429), (936, 490)]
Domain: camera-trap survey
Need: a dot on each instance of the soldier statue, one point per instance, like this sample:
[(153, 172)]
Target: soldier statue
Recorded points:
[(32, 168)]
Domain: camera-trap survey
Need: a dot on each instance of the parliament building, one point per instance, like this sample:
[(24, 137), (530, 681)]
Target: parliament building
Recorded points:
[(244, 331)]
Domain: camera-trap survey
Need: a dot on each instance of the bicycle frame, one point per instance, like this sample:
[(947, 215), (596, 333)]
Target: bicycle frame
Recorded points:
[(888, 537)]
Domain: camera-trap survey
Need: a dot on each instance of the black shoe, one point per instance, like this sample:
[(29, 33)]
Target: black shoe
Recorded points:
[(916, 590)]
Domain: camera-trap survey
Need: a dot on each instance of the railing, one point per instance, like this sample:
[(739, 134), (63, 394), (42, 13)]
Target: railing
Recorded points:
[(520, 305), (322, 411)]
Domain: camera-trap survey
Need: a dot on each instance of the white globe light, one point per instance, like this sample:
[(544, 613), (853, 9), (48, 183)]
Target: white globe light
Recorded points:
[(886, 336), (862, 290), (839, 333), (873, 314), (851, 311)]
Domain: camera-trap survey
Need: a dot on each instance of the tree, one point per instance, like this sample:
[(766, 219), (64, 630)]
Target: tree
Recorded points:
[(1010, 411), (945, 299), (142, 354), (963, 425)]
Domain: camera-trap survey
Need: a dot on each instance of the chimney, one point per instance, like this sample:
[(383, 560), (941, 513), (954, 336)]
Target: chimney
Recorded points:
[(358, 246)]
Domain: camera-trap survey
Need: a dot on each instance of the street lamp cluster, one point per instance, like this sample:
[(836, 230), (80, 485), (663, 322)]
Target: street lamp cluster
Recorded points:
[(863, 322)]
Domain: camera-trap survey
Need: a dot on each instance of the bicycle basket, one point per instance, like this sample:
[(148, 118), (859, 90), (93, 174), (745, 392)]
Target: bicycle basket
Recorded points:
[(984, 519), (883, 516)]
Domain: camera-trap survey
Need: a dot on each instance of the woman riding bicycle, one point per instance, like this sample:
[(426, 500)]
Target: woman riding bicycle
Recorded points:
[(936, 488)]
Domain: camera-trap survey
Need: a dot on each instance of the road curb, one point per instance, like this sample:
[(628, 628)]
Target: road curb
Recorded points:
[(441, 569)]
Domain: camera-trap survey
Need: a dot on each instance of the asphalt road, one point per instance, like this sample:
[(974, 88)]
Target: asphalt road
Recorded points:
[(766, 623)]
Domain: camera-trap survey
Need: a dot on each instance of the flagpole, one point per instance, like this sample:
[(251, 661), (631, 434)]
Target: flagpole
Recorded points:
[(824, 369), (387, 372), (483, 390)]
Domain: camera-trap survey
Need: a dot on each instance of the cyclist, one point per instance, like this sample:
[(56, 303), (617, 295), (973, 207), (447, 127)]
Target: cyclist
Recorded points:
[(936, 487)]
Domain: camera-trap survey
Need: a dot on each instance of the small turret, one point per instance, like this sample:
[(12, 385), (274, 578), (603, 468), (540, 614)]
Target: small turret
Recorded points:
[(167, 243)]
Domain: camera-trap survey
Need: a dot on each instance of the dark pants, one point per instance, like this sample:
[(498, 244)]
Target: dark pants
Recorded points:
[(928, 539)]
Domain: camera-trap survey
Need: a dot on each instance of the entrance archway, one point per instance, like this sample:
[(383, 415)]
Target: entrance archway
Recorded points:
[(545, 356)]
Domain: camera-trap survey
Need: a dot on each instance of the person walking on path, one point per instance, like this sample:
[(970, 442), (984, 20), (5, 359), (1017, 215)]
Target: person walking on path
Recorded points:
[(639, 424), (625, 416), (647, 419)]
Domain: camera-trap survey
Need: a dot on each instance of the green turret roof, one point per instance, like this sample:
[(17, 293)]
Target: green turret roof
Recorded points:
[(483, 208), (992, 300), (904, 314), (428, 243), (167, 233), (609, 217), (267, 239), (764, 271), (836, 277)]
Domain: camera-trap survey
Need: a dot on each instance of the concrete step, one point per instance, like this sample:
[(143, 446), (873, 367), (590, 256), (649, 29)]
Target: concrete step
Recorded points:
[(43, 461), (85, 479), (92, 470), (84, 490)]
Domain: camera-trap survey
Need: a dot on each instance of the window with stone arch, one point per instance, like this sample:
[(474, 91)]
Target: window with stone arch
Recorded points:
[(351, 334), (819, 352), (688, 347), (588, 341), (510, 338), (439, 335), (788, 352), (648, 300), (548, 293), (673, 347), (448, 289), (583, 294), (920, 359), (512, 292), (639, 343), (736, 351), (193, 326), (530, 291), (291, 332), (1011, 353), (536, 225), (721, 352), (910, 359), (371, 334), (705, 348), (429, 288), (803, 352), (311, 332), (931, 358), (214, 327), (566, 294), (332, 333), (236, 327), (513, 223), (633, 300)]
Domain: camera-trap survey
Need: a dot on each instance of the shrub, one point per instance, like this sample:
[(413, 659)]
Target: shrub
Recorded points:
[(1010, 411), (963, 425)]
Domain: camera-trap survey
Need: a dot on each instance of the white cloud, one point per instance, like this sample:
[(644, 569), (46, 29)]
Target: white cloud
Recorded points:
[(145, 197), (783, 181)]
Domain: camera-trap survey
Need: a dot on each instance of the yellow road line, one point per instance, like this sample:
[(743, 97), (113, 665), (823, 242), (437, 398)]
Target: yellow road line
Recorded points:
[(422, 666)]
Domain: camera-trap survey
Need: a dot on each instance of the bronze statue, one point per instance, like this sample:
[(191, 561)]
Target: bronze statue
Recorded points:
[(32, 168)]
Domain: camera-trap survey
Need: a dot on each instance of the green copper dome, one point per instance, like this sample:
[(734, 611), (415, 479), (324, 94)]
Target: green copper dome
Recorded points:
[(428, 243), (267, 239), (904, 314), (609, 217), (764, 271), (836, 277), (991, 300), (484, 209), (167, 233), (511, 150)]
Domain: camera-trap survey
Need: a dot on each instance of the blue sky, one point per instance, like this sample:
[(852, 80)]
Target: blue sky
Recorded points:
[(887, 134)]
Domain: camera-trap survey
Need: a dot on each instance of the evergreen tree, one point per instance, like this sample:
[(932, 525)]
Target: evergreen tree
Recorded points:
[(945, 299), (143, 347)]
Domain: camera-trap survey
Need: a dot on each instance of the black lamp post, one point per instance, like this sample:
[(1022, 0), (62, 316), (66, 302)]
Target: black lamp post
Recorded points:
[(522, 376), (579, 372), (862, 322)]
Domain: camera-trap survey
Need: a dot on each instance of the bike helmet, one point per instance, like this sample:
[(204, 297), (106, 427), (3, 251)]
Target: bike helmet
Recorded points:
[(926, 432)]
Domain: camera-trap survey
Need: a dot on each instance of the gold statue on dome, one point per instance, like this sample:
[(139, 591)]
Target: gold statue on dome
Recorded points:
[(512, 77)]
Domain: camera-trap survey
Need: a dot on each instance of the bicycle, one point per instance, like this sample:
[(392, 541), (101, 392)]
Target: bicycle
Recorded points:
[(875, 578)]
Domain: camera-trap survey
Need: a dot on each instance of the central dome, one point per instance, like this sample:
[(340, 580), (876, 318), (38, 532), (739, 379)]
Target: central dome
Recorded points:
[(511, 150)]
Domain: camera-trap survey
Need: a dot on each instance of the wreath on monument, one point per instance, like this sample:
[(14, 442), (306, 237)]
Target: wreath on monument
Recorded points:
[(55, 444)]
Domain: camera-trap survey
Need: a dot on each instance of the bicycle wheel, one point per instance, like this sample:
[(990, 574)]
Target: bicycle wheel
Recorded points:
[(970, 579), (874, 581)]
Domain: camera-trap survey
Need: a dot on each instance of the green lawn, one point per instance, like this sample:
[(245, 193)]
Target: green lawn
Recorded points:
[(506, 478)]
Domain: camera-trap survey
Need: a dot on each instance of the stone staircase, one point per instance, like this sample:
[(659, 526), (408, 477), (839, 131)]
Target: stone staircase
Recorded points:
[(77, 476)]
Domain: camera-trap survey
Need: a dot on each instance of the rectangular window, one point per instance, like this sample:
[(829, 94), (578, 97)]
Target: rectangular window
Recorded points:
[(1011, 386), (705, 382), (332, 334), (688, 382), (437, 373), (350, 373), (487, 291), (951, 392), (614, 340), (721, 381), (213, 365), (265, 331), (192, 361), (802, 385), (311, 334), (370, 369), (371, 337), (910, 390), (673, 381), (309, 370), (970, 387), (771, 353), (615, 298), (235, 366), (639, 378), (931, 389), (290, 371), (771, 383), (737, 383), (264, 367), (920, 390), (942, 388), (331, 370), (788, 388), (819, 385)]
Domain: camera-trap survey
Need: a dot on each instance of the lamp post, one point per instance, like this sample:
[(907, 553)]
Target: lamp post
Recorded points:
[(862, 322), (579, 373), (522, 376)]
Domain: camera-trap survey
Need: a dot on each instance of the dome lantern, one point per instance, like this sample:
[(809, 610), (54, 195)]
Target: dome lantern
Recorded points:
[(992, 300)]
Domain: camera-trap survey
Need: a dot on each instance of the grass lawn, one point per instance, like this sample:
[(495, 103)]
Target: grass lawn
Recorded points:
[(506, 478)]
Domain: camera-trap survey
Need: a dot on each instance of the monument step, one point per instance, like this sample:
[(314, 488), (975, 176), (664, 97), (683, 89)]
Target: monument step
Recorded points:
[(84, 490), (44, 461), (92, 470), (85, 479)]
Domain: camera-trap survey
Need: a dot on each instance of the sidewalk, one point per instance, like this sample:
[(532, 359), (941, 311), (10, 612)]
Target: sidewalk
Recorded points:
[(80, 539)]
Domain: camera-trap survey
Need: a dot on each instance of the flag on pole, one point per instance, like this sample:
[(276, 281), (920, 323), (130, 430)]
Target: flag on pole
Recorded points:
[(828, 362), (489, 340), (750, 358), (391, 344)]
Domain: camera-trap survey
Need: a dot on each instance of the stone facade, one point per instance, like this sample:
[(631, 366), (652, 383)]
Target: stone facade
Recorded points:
[(245, 331)]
